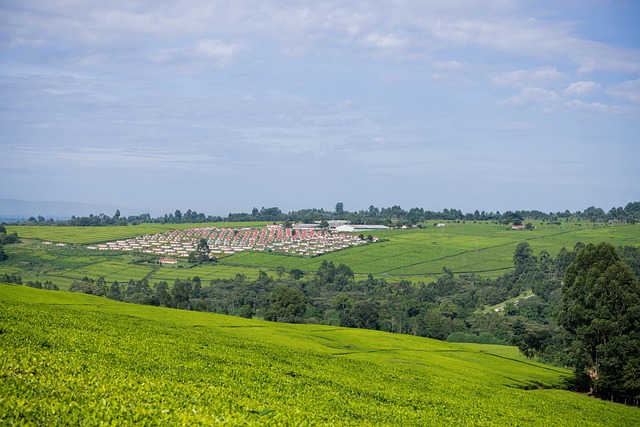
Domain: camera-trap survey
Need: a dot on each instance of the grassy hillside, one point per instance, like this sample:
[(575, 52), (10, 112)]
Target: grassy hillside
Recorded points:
[(82, 360), (417, 255)]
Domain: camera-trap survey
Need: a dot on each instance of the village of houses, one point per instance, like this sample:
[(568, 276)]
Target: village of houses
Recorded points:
[(301, 239)]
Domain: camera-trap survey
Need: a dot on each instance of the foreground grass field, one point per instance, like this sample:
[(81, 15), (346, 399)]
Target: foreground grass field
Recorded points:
[(72, 359), (483, 248)]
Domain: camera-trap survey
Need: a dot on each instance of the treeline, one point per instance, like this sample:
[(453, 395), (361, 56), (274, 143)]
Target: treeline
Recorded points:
[(117, 219), (394, 216)]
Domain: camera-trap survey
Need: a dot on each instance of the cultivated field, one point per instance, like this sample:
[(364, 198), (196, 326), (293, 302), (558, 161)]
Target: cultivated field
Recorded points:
[(420, 254), (71, 359), (484, 248)]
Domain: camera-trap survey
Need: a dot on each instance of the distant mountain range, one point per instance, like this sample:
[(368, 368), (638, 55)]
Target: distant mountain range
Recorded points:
[(12, 210)]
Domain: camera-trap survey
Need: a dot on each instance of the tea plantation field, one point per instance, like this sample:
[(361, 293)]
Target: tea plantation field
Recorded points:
[(74, 359), (483, 248)]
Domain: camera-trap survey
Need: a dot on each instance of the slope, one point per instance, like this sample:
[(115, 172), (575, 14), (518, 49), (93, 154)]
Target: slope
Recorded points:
[(83, 360)]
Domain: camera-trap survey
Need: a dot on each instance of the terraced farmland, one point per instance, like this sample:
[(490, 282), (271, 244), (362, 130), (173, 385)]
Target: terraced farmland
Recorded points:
[(72, 359)]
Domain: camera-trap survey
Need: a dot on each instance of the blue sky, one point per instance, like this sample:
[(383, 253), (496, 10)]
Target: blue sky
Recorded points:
[(220, 106)]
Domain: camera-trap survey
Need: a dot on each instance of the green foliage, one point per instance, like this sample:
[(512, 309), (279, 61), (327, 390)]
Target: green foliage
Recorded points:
[(363, 314), (286, 305), (601, 311), (523, 259), (201, 254), (87, 287), (11, 278), (6, 239)]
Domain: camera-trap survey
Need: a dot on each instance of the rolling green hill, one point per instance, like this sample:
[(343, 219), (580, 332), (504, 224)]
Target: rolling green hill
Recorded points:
[(73, 359)]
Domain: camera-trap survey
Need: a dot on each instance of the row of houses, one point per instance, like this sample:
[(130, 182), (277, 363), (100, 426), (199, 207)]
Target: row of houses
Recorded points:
[(228, 241)]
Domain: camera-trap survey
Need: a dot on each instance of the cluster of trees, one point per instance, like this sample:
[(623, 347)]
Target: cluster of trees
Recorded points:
[(601, 313), (14, 278), (391, 216), (6, 239), (48, 284)]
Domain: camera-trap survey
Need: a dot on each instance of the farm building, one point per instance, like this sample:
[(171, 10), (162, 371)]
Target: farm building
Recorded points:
[(354, 228)]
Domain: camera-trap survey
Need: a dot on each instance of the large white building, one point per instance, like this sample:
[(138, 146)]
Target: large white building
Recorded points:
[(354, 228)]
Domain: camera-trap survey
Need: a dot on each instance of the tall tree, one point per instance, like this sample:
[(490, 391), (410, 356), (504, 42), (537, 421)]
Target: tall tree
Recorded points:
[(601, 311), (287, 305), (523, 259), (201, 254)]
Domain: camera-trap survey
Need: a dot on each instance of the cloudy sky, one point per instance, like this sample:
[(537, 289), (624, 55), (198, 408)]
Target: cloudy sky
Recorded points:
[(220, 106)]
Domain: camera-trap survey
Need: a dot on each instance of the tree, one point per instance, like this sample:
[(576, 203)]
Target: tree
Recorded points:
[(180, 293), (339, 208), (114, 291), (363, 314), (201, 254), (523, 259), (296, 274), (532, 339), (287, 305), (601, 312), (163, 295)]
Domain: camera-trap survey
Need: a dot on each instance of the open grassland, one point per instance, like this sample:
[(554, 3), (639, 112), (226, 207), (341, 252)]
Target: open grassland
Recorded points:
[(72, 359), (416, 255)]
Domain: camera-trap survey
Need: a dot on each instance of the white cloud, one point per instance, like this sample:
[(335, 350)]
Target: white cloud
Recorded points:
[(216, 48), (531, 96), (515, 126), (581, 88), (599, 108), (527, 78), (452, 73), (385, 41), (627, 91), (203, 51), (507, 26)]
